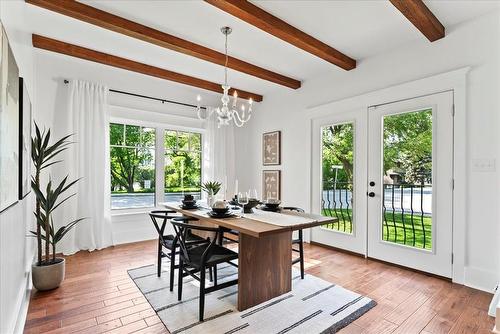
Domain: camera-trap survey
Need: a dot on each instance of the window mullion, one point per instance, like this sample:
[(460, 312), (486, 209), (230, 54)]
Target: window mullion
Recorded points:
[(160, 166)]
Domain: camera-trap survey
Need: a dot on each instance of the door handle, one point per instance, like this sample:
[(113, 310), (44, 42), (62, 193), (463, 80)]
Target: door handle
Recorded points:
[(371, 194)]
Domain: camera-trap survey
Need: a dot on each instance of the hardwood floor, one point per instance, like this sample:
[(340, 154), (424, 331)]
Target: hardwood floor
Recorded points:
[(98, 296)]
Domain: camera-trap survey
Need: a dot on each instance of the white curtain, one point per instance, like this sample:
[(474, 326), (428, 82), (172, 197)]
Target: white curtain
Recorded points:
[(219, 156), (88, 159)]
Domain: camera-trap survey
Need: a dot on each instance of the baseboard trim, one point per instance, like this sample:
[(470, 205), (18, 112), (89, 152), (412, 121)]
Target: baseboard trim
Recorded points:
[(18, 326), (127, 237), (336, 249), (480, 279)]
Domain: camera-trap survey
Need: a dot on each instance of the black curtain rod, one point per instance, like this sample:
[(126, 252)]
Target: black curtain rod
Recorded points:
[(149, 97)]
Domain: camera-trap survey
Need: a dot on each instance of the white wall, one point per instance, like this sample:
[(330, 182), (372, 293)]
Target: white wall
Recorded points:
[(16, 251), (475, 44)]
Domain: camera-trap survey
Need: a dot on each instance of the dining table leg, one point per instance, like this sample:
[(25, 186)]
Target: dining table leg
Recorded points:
[(264, 268)]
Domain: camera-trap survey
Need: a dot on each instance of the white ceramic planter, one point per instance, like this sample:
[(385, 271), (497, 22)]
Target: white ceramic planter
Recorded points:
[(210, 200), (48, 277)]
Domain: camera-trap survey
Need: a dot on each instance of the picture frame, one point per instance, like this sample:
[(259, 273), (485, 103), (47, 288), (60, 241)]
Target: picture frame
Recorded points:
[(271, 148), (271, 184), (9, 125), (25, 128)]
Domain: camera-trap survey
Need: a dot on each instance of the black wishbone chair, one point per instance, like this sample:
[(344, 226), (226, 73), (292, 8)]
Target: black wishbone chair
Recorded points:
[(299, 241), (232, 233), (169, 241), (198, 259)]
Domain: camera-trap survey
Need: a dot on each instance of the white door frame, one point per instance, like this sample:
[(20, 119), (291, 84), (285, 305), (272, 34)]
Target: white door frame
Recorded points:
[(453, 80)]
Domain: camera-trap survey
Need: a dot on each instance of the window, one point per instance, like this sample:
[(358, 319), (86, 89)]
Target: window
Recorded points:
[(132, 156), (182, 164), (134, 178)]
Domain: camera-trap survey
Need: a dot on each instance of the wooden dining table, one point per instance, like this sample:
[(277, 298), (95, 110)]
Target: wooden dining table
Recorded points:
[(264, 249)]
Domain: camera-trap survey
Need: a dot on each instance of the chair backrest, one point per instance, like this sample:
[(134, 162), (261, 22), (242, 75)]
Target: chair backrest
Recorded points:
[(293, 208), (183, 228), (160, 218)]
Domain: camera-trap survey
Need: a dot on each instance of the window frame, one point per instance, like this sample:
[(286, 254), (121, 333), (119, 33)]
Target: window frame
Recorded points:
[(160, 150)]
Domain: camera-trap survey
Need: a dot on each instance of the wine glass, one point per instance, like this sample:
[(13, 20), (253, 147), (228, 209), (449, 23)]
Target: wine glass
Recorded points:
[(269, 198), (253, 194), (243, 200)]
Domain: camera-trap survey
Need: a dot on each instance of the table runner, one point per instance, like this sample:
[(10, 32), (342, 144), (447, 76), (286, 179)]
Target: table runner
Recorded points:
[(268, 217), (278, 219)]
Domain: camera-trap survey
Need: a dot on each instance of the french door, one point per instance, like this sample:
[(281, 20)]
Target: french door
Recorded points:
[(410, 189), (339, 165), (392, 188)]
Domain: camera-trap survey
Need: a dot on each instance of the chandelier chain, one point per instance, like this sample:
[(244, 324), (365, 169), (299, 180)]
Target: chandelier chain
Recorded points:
[(225, 64)]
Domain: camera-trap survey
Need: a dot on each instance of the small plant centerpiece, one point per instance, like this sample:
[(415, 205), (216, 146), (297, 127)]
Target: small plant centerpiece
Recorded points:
[(211, 188), (48, 271)]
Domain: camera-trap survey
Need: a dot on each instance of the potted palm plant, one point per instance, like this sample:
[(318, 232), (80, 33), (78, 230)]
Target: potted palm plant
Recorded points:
[(48, 271), (211, 188)]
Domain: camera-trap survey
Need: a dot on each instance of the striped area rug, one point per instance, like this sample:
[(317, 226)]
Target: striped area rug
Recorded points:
[(313, 305)]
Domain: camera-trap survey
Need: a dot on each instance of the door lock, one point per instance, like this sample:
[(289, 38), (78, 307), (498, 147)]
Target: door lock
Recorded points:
[(371, 194), (372, 184)]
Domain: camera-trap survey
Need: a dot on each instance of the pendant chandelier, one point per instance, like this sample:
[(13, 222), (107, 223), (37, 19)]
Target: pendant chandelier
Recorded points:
[(224, 113)]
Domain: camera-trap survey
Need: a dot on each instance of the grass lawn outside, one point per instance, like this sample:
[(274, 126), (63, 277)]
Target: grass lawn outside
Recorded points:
[(181, 190), (167, 190), (344, 217), (136, 192), (397, 227)]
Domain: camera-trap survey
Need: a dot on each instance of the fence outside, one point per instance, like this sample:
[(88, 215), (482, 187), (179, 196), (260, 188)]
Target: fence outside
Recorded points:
[(406, 212)]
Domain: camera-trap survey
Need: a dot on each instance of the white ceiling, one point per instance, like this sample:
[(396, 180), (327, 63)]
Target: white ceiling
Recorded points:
[(359, 29)]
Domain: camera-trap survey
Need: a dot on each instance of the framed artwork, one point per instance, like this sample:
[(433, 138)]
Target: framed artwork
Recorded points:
[(271, 184), (271, 148), (9, 125), (25, 121)]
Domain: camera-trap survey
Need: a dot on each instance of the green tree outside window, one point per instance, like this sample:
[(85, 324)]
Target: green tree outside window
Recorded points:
[(182, 161), (132, 156)]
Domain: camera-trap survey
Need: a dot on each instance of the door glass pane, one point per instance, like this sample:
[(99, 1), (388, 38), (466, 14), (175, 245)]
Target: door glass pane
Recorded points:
[(407, 179), (337, 175)]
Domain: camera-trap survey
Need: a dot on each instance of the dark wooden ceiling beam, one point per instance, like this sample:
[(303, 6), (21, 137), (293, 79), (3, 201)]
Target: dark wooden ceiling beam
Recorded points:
[(263, 20), (121, 25), (53, 45), (421, 17)]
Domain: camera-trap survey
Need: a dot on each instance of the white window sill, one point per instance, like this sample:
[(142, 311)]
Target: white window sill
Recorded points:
[(128, 212)]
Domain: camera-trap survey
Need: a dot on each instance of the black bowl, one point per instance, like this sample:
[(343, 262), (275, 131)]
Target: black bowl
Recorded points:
[(272, 206), (220, 211), (189, 203), (252, 203)]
